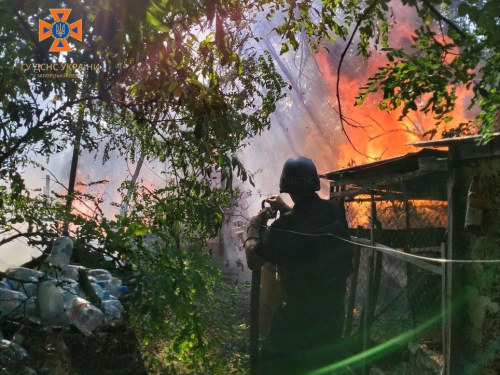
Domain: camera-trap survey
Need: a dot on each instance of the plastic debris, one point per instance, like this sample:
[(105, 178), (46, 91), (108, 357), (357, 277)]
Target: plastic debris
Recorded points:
[(21, 274), (84, 316), (72, 271), (11, 303), (57, 298), (11, 353), (62, 249), (114, 289), (100, 274), (51, 306)]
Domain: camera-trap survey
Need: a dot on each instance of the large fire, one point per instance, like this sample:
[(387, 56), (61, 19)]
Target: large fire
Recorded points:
[(383, 135)]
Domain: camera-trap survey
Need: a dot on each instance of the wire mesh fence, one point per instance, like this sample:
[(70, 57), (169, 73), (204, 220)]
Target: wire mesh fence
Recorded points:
[(406, 298)]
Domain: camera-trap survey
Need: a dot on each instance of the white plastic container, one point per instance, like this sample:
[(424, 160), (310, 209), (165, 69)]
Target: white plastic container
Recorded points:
[(112, 310), (84, 316), (51, 306), (72, 271), (100, 274), (116, 281), (62, 249), (11, 303), (25, 274)]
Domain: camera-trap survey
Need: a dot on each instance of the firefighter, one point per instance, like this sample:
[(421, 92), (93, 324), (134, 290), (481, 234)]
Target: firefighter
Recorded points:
[(312, 266)]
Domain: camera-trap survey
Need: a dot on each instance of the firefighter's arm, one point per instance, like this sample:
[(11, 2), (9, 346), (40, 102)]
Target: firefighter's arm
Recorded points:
[(278, 203), (254, 261)]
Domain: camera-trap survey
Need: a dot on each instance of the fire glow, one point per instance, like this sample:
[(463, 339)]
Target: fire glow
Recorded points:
[(382, 135)]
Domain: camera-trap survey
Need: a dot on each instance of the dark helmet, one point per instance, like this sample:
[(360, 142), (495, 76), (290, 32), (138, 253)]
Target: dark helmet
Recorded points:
[(299, 176)]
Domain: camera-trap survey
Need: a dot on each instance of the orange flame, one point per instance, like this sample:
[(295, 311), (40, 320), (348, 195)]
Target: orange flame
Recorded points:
[(383, 135)]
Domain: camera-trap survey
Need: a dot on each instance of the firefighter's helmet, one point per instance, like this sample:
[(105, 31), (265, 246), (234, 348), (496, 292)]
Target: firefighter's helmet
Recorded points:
[(299, 176)]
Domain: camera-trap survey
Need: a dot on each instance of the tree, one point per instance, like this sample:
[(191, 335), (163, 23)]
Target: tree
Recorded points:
[(177, 82), (173, 83), (456, 44)]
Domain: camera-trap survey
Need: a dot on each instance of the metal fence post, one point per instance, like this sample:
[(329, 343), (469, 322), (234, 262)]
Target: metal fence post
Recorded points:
[(254, 321), (353, 287), (369, 292)]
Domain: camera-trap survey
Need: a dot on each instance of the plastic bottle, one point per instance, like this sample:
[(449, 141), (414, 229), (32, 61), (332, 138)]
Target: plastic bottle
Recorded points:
[(51, 306), (12, 352), (69, 292), (29, 289), (98, 289), (116, 281), (112, 310), (72, 271), (115, 290), (103, 294), (62, 249), (68, 296), (11, 303), (100, 274), (5, 285), (30, 311), (84, 316), (21, 273)]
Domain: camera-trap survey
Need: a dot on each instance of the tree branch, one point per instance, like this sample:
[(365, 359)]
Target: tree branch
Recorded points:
[(7, 154), (443, 18), (394, 131), (19, 235), (342, 57)]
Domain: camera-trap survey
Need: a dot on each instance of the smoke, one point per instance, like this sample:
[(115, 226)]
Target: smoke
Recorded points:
[(305, 123), (90, 169)]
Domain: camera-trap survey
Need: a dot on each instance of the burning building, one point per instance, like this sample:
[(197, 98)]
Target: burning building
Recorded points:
[(422, 283)]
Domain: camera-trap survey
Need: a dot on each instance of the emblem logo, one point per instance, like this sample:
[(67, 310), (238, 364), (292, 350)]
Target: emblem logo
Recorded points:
[(60, 30)]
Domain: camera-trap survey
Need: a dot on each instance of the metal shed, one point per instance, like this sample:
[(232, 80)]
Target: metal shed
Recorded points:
[(404, 212)]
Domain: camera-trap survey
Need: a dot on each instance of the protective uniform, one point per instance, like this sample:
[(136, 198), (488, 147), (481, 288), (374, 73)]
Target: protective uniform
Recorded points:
[(313, 269)]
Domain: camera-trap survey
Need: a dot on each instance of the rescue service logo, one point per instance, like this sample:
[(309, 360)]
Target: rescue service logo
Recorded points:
[(60, 30)]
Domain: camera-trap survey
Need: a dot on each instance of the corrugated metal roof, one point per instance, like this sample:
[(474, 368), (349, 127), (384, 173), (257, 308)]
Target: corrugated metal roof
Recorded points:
[(383, 168), (451, 141)]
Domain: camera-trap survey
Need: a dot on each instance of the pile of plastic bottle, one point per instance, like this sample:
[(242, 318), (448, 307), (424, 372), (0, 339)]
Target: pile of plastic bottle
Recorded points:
[(56, 299)]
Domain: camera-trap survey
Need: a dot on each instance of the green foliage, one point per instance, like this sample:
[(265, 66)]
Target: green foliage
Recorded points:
[(176, 83), (425, 77), (457, 44), (173, 85)]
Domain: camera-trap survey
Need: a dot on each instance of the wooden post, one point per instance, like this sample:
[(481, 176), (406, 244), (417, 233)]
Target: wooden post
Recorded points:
[(444, 309), (456, 218), (369, 292), (74, 164), (353, 288), (254, 322), (72, 177), (377, 270), (410, 282)]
